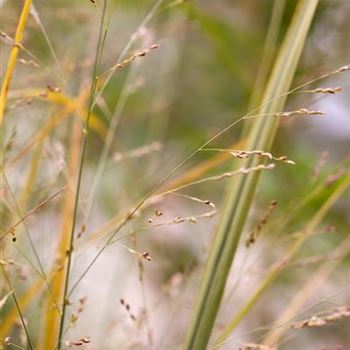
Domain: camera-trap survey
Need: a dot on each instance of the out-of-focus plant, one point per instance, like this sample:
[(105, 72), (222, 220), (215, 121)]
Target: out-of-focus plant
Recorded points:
[(90, 171)]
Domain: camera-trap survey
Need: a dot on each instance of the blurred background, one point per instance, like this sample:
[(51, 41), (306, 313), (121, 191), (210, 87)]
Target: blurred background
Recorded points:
[(199, 66)]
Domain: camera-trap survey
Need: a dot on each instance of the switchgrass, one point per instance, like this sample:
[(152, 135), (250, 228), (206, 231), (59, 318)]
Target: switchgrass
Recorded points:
[(88, 226)]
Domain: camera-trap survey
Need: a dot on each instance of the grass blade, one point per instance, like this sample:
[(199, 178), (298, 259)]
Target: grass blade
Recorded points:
[(269, 52), (13, 57), (241, 193)]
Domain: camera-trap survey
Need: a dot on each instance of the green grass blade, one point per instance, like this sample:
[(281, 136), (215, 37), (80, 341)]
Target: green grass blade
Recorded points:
[(241, 193), (269, 52)]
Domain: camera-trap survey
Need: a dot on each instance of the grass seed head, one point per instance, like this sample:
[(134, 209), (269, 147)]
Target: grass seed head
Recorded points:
[(328, 90)]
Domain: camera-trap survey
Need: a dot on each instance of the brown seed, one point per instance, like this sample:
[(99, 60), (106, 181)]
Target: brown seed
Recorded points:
[(85, 340), (53, 88), (146, 256)]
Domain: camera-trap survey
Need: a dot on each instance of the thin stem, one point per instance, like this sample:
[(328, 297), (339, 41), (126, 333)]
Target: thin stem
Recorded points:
[(34, 12), (114, 121), (18, 308), (127, 47), (42, 273), (32, 211), (118, 109), (101, 38)]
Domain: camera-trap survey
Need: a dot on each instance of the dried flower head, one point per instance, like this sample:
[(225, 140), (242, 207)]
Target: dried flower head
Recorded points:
[(301, 111), (328, 90), (132, 58), (29, 63), (318, 321), (262, 222)]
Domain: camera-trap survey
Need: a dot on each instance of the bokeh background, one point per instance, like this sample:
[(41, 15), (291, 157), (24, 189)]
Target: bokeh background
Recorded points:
[(165, 105)]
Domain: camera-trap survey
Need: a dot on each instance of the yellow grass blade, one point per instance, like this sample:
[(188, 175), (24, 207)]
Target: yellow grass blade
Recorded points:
[(13, 57)]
